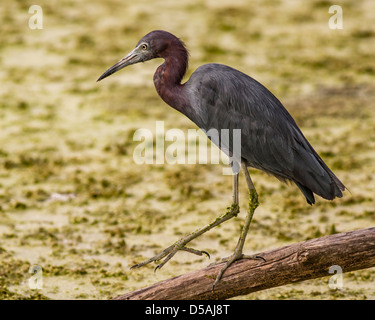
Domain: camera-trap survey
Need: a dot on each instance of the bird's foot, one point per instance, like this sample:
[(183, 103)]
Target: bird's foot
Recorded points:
[(229, 261), (168, 254)]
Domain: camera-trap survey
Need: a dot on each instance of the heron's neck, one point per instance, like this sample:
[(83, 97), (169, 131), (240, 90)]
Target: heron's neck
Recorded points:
[(168, 76)]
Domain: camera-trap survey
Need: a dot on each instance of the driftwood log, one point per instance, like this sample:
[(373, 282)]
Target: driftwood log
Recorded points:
[(297, 262)]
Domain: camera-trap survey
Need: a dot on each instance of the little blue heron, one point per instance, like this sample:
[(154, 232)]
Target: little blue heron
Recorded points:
[(220, 97)]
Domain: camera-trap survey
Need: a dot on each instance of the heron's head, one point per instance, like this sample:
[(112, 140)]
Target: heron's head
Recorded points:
[(155, 44)]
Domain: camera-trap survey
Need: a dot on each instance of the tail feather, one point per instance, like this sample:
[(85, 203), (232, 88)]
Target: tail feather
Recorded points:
[(307, 193), (312, 175)]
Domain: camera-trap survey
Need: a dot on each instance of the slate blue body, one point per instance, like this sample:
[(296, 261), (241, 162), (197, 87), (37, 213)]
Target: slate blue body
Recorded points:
[(224, 98)]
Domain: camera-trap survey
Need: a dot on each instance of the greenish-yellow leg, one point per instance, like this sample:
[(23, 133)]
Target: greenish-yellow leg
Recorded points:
[(169, 252), (253, 204)]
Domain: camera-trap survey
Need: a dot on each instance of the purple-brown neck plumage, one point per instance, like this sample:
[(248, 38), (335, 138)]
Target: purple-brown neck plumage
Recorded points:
[(168, 76)]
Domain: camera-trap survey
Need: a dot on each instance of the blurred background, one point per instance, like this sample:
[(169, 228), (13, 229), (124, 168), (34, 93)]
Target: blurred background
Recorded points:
[(73, 201)]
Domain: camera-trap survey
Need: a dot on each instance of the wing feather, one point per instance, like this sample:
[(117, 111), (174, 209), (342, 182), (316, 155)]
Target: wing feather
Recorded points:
[(225, 98)]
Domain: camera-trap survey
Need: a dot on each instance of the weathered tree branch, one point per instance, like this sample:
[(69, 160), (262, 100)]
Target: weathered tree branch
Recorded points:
[(297, 262)]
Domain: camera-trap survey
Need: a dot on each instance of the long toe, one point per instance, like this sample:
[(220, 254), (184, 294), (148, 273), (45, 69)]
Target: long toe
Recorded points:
[(197, 252), (158, 257), (168, 254), (230, 260)]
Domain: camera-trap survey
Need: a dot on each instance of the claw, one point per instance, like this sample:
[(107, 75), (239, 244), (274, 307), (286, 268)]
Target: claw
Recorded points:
[(206, 253), (157, 267), (260, 257), (253, 257)]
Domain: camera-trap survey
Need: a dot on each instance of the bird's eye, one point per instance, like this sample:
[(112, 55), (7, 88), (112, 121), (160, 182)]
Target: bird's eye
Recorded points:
[(144, 46)]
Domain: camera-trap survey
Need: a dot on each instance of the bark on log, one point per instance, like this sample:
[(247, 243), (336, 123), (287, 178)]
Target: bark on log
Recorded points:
[(305, 260)]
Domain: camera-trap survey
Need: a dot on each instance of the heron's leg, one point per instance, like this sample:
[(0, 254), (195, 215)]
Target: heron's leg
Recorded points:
[(169, 252), (253, 204)]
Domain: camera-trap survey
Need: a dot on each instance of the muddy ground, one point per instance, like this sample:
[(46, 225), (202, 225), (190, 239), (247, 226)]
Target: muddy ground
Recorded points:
[(74, 202)]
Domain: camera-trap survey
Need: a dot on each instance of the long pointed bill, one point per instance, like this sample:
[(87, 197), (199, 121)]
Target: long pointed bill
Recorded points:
[(131, 58)]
